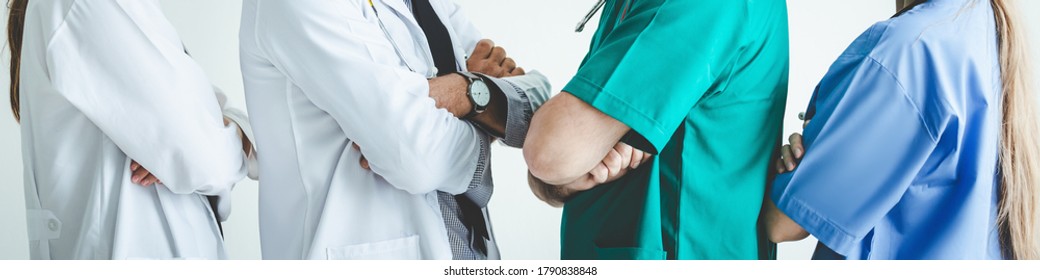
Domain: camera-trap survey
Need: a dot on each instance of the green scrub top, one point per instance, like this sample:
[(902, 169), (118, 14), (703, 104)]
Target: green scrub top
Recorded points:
[(705, 83)]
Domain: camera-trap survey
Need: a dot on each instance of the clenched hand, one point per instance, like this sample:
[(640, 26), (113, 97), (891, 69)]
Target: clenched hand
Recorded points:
[(492, 60)]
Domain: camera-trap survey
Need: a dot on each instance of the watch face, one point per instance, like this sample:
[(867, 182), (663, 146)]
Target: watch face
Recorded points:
[(481, 93)]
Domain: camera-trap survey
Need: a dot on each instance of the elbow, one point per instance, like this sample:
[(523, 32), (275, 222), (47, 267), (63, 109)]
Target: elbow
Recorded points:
[(549, 168), (421, 181), (210, 178), (212, 183), (424, 176), (206, 188)]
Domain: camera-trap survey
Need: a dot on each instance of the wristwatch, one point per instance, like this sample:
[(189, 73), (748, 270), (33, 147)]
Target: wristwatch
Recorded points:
[(479, 93)]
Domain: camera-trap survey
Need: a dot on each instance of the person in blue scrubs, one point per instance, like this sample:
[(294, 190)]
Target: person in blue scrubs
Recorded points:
[(905, 155)]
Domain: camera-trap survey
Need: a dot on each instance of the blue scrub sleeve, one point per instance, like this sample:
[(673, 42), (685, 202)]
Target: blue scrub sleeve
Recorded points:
[(658, 61), (865, 146)]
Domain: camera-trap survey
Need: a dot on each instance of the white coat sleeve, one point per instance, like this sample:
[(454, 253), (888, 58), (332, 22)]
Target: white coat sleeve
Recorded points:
[(121, 64), (221, 202), (344, 64)]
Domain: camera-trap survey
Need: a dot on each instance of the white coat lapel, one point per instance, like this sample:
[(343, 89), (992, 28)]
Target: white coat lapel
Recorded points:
[(421, 50), (401, 9)]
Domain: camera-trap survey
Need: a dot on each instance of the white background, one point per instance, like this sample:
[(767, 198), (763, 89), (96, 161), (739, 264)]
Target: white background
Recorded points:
[(537, 33)]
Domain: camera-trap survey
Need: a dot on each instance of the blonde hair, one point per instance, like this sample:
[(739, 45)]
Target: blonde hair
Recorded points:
[(1020, 141)]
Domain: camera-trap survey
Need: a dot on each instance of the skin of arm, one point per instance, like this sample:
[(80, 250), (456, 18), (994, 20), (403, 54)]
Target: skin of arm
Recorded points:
[(619, 160), (568, 138), (450, 91), (779, 226)]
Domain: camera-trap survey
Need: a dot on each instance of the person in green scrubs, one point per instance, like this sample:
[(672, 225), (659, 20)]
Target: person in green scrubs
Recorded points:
[(699, 84)]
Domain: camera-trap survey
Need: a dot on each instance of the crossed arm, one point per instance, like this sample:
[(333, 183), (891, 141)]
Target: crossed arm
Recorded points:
[(572, 147), (450, 91)]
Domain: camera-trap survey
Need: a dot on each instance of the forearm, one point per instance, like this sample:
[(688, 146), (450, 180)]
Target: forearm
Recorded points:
[(568, 138), (450, 92), (780, 227)]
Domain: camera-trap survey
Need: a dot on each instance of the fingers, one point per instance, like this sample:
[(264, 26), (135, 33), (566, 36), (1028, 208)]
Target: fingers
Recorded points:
[(498, 55), (519, 71), (779, 166), (134, 165), (364, 163), (483, 49), (626, 154), (796, 145), (615, 163), (139, 175), (149, 180), (600, 173), (788, 157), (637, 158), (508, 65)]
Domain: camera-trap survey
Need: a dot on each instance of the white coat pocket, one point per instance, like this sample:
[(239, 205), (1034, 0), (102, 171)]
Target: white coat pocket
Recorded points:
[(406, 248)]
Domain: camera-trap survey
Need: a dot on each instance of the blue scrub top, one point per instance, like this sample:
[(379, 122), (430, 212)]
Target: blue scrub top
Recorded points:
[(901, 153)]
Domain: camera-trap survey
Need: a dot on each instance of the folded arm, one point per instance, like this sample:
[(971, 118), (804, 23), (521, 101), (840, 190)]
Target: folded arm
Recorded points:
[(146, 95), (322, 47), (568, 138)]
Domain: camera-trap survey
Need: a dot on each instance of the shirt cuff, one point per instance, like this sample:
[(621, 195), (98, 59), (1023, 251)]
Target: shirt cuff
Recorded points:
[(520, 108)]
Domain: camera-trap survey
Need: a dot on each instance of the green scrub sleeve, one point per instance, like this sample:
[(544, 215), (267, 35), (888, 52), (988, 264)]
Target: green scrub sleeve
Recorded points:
[(660, 59)]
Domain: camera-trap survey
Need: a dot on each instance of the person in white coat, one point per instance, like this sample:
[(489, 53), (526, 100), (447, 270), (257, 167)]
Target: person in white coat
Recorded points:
[(123, 142), (398, 81)]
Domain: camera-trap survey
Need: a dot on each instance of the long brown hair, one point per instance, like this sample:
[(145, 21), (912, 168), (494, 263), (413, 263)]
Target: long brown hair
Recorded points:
[(15, 25), (1019, 137)]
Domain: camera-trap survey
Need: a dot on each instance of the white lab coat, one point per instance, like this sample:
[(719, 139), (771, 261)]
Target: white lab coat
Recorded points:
[(320, 75), (104, 82)]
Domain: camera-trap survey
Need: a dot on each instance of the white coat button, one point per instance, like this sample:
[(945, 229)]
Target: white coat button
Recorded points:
[(52, 224)]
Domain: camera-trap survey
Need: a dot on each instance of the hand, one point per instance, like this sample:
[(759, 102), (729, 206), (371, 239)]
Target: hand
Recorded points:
[(491, 60), (141, 176), (621, 159), (363, 162), (790, 154), (616, 164)]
